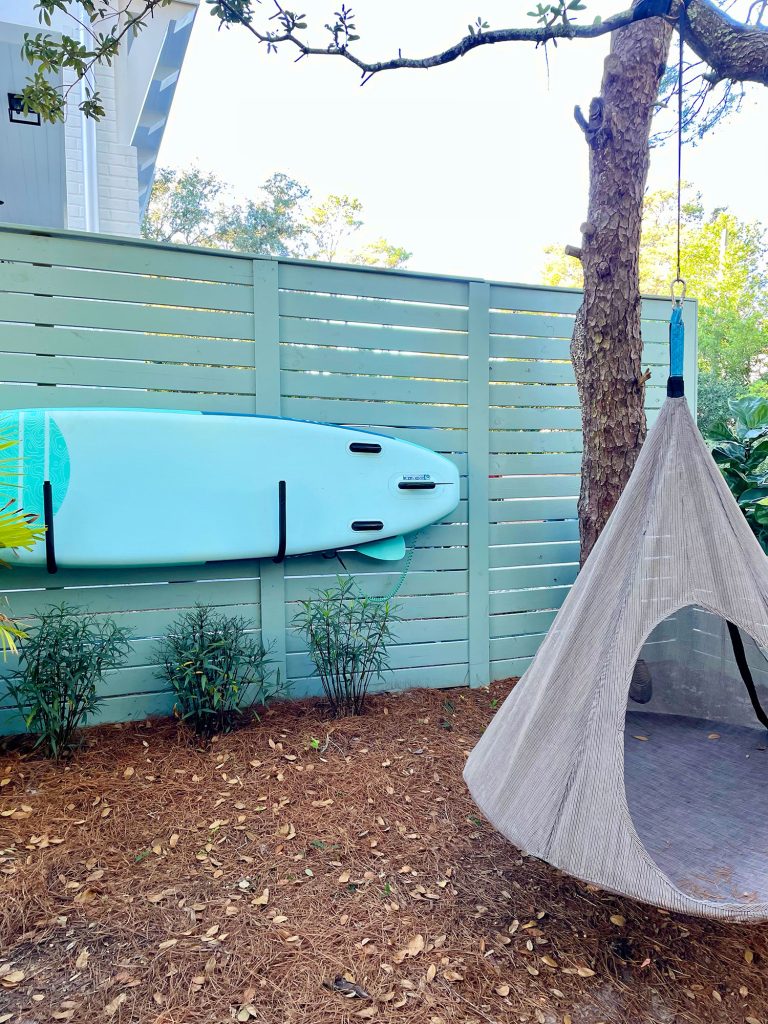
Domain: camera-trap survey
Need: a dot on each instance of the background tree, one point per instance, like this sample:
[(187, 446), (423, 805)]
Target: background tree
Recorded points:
[(273, 226), (191, 208), (607, 346), (184, 208), (726, 269)]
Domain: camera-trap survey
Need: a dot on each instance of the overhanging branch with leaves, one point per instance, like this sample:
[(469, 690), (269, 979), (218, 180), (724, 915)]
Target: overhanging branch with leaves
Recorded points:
[(731, 50)]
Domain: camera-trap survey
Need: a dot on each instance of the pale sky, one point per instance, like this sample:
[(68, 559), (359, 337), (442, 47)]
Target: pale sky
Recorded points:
[(474, 166)]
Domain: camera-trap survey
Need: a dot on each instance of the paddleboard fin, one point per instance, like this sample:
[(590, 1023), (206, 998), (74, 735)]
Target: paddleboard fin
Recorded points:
[(389, 549)]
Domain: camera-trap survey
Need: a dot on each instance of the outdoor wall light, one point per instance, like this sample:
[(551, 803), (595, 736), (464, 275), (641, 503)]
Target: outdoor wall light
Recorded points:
[(17, 114)]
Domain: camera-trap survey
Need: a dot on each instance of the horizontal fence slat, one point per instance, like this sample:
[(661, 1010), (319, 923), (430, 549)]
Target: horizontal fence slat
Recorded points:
[(416, 583), (381, 389), (439, 676), (124, 373), (531, 576), (371, 336), (127, 256), (521, 624), (34, 279), (509, 669), (545, 532), (306, 305), (523, 646), (324, 359), (375, 414), (44, 309), (540, 463), (535, 440), (26, 396), (506, 601), (400, 656), (343, 281), (533, 487), (531, 509), (534, 554), (117, 344)]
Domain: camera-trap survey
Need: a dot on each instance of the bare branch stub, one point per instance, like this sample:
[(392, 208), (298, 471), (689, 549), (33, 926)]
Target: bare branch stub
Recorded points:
[(595, 122)]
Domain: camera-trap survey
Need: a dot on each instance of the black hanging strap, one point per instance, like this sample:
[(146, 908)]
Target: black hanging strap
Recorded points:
[(741, 661), (281, 523), (50, 543)]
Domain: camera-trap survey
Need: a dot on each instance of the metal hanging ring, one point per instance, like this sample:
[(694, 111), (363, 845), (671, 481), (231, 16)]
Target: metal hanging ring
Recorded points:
[(677, 299)]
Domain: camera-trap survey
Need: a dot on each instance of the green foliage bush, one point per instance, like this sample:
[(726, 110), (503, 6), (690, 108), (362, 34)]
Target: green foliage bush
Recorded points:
[(347, 635), (217, 670), (713, 401), (62, 660), (740, 448)]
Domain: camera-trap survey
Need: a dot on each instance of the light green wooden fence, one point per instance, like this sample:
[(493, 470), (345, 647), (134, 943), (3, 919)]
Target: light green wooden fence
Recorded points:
[(476, 371)]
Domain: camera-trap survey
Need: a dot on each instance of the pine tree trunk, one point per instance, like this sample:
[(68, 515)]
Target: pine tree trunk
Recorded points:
[(606, 348)]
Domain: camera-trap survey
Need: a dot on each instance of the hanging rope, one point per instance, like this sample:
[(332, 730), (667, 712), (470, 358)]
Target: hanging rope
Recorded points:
[(680, 34), (675, 383), (395, 590)]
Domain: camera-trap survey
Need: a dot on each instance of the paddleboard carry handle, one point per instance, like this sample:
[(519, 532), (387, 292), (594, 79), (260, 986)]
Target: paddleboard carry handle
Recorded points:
[(280, 556), (50, 545), (366, 447), (417, 485)]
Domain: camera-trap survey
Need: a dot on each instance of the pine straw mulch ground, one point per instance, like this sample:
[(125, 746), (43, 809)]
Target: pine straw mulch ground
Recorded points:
[(153, 881)]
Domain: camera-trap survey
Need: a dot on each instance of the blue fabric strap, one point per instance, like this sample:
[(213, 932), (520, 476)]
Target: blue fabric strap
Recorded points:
[(676, 342)]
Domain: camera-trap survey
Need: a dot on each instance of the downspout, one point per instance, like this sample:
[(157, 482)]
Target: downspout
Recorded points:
[(90, 159)]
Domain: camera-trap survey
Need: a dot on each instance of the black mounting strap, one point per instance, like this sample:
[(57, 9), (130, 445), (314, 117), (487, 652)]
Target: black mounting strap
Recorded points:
[(741, 661), (280, 556), (50, 544)]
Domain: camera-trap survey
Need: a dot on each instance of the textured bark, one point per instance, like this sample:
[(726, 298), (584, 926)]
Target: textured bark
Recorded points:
[(606, 348), (731, 49)]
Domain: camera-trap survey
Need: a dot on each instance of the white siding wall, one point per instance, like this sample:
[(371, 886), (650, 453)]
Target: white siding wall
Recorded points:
[(117, 169), (73, 150), (125, 88)]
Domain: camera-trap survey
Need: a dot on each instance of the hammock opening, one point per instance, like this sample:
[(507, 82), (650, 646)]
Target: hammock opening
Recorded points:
[(696, 756)]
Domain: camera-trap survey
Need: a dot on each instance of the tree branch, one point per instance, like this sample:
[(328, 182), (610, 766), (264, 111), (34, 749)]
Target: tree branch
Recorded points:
[(733, 50), (533, 34)]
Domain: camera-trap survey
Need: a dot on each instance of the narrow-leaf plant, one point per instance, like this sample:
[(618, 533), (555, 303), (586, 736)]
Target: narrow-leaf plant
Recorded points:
[(62, 660), (216, 669), (347, 636)]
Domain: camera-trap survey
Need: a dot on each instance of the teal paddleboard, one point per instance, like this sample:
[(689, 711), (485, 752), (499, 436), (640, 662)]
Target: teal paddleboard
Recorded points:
[(137, 488)]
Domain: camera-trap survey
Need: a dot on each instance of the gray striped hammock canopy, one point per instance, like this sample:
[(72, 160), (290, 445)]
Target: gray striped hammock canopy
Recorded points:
[(663, 797)]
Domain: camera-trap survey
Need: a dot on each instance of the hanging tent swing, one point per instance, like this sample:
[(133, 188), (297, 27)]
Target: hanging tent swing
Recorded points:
[(633, 753), (663, 797)]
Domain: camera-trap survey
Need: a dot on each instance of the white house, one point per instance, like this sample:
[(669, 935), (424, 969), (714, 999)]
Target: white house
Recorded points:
[(83, 174)]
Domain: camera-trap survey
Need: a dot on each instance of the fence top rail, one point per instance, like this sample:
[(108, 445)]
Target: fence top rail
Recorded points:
[(126, 240)]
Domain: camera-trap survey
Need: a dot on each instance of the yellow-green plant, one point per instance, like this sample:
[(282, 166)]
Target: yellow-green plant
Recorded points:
[(17, 530)]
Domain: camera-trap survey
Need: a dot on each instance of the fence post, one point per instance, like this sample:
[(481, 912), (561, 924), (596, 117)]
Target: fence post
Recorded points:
[(478, 458), (266, 335)]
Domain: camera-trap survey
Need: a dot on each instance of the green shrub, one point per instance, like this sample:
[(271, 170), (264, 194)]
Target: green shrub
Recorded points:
[(715, 393), (216, 669), (62, 660), (347, 636), (740, 448)]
